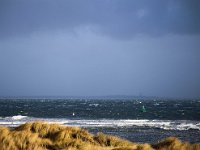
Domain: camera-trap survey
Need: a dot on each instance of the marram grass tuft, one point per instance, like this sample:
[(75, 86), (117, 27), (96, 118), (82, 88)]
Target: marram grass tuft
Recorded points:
[(45, 136)]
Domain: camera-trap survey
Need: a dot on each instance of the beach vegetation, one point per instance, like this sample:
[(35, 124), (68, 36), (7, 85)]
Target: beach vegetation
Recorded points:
[(46, 136)]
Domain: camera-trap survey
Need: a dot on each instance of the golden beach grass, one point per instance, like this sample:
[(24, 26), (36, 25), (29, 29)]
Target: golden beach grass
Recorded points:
[(45, 136)]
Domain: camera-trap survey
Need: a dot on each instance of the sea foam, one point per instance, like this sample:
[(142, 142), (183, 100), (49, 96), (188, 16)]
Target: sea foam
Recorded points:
[(161, 124)]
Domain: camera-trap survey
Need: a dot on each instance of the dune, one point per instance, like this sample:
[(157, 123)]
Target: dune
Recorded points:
[(45, 136)]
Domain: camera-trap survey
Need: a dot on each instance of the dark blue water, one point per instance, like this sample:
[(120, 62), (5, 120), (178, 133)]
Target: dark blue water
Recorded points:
[(97, 109), (125, 118)]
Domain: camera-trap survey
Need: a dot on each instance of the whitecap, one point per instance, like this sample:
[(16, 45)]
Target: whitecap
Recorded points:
[(161, 124), (18, 117), (95, 105)]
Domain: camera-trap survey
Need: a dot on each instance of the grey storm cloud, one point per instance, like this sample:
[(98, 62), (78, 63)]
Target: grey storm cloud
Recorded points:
[(100, 47), (115, 18)]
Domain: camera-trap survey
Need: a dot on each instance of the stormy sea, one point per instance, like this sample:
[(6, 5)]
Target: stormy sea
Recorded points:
[(137, 120)]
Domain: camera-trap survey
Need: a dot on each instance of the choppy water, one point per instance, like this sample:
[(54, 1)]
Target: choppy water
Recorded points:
[(125, 118)]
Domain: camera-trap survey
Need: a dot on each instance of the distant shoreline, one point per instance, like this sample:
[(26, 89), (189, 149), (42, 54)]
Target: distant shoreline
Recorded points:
[(109, 97)]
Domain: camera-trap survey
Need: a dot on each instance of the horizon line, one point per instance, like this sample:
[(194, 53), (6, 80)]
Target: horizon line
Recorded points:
[(97, 97)]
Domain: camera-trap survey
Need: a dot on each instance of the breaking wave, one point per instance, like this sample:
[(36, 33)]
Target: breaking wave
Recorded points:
[(160, 124)]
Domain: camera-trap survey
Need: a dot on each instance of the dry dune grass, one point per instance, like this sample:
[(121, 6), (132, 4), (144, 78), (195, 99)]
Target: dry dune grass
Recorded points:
[(172, 143), (44, 136)]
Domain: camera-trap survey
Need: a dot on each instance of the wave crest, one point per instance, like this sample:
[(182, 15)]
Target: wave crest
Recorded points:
[(161, 124)]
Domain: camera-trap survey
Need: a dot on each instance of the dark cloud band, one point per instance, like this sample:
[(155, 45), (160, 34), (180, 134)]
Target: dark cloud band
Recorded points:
[(116, 18)]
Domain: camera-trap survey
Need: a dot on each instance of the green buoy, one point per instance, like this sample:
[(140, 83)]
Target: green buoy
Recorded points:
[(143, 109)]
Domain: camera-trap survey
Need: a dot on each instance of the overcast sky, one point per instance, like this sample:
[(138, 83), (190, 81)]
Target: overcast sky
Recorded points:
[(100, 47)]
